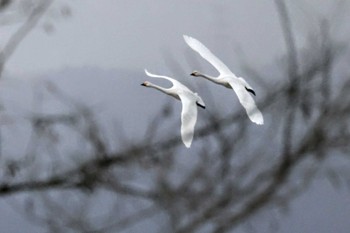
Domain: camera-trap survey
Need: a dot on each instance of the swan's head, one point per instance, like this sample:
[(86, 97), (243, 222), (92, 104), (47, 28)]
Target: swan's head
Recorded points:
[(250, 90), (145, 83), (195, 73)]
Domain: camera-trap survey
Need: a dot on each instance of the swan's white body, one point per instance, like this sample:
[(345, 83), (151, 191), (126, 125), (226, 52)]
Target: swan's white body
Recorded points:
[(228, 79), (189, 101)]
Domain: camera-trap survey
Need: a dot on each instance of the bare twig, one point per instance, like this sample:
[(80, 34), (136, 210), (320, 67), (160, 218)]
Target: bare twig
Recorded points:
[(32, 20)]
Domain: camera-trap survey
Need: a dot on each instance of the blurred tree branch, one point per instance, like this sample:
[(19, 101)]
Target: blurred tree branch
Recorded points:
[(37, 12)]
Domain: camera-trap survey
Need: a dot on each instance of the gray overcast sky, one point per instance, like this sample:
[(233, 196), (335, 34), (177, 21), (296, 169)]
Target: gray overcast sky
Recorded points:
[(126, 34), (132, 35)]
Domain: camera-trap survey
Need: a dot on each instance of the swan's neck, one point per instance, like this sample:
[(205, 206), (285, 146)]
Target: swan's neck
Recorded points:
[(210, 78), (217, 80), (164, 90)]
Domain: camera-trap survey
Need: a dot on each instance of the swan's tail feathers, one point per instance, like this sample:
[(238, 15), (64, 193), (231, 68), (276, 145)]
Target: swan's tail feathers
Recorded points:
[(199, 101)]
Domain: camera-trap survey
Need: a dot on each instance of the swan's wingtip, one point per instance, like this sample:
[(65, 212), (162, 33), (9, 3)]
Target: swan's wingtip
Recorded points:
[(259, 121), (257, 118), (187, 144), (187, 38), (148, 73)]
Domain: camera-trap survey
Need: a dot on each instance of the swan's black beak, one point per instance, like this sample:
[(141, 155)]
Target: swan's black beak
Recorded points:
[(250, 90), (143, 84)]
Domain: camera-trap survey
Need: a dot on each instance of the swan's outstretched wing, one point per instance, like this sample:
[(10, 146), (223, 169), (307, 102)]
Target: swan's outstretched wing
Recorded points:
[(207, 55), (188, 117), (161, 76), (248, 103)]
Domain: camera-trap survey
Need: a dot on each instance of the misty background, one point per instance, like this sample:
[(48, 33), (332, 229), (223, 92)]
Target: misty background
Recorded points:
[(85, 148)]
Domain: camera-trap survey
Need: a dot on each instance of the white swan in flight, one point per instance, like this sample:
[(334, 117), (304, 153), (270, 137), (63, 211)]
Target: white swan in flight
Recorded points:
[(189, 101), (227, 79)]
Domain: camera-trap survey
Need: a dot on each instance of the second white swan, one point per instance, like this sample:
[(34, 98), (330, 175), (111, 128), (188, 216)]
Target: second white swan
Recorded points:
[(227, 79)]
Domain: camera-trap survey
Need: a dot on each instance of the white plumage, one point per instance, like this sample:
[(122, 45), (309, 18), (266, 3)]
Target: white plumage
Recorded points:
[(189, 101), (227, 79)]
